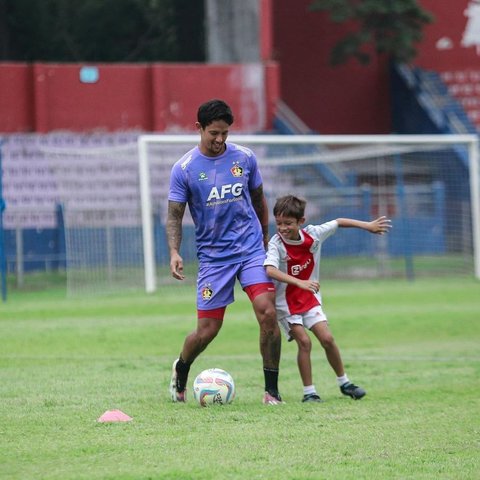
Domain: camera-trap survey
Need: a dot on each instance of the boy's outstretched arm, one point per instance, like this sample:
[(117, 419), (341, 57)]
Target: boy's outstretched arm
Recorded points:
[(379, 226)]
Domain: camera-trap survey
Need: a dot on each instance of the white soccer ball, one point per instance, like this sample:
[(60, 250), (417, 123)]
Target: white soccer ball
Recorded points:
[(213, 387)]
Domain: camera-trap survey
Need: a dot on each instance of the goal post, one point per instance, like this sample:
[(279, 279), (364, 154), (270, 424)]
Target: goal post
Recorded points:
[(428, 184), (474, 166)]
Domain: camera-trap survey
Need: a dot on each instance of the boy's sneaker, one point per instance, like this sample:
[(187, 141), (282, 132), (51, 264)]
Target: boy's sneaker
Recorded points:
[(176, 395), (351, 390), (272, 398), (311, 397)]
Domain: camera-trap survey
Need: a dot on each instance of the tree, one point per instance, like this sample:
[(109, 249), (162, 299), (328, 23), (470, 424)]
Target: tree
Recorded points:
[(391, 27), (101, 30)]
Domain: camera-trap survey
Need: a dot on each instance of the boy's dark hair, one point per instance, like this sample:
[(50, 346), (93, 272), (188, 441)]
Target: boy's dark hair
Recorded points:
[(289, 206), (213, 110)]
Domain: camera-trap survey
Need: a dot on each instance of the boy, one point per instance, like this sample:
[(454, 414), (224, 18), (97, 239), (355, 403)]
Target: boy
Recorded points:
[(292, 262)]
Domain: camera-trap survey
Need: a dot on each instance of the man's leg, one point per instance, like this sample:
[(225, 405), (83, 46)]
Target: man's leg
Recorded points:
[(214, 292), (195, 343), (270, 339), (270, 343)]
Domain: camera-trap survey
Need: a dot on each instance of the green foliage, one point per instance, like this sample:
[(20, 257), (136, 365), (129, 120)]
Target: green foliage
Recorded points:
[(412, 345), (390, 27), (107, 30)]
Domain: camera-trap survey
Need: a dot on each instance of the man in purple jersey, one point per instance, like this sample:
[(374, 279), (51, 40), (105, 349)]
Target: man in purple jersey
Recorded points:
[(223, 187)]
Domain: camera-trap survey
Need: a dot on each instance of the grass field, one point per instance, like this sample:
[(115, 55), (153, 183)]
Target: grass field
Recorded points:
[(415, 347)]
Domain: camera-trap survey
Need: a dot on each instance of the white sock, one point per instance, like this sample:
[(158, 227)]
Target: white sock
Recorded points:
[(342, 380), (309, 389)]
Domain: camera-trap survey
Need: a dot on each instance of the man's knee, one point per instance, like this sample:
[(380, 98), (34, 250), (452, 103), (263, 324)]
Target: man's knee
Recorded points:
[(270, 314), (267, 318), (207, 330)]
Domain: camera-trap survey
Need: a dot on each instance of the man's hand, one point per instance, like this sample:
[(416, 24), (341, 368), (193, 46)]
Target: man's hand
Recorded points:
[(176, 266)]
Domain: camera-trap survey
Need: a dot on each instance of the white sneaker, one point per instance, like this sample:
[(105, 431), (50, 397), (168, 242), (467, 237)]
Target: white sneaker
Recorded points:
[(176, 396), (269, 399)]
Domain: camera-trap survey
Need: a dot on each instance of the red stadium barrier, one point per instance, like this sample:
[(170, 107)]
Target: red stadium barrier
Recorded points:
[(114, 97)]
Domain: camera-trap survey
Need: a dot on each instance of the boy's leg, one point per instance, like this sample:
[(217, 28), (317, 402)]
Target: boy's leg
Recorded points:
[(325, 337), (304, 361), (322, 332)]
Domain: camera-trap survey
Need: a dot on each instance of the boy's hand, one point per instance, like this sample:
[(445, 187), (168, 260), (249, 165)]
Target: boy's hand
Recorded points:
[(380, 225), (308, 285)]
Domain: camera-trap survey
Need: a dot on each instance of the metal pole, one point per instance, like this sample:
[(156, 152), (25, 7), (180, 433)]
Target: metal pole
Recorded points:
[(19, 256), (475, 200), (3, 256), (147, 221)]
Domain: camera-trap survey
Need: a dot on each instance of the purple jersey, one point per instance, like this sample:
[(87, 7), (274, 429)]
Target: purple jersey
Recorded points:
[(227, 229)]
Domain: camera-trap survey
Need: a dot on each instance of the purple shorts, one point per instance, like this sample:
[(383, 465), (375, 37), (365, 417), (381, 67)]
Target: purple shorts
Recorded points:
[(215, 284)]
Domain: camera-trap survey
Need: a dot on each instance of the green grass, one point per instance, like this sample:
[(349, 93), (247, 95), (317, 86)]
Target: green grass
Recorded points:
[(413, 346)]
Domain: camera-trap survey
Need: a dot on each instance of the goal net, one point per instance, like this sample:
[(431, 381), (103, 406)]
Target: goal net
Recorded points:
[(427, 185), (115, 205), (98, 191)]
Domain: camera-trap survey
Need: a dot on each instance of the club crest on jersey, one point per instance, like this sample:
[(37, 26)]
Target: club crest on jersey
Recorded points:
[(207, 292), (297, 269), (237, 170)]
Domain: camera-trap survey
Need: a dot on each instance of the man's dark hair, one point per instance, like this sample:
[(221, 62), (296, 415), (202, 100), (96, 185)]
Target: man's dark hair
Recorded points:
[(289, 206), (213, 110)]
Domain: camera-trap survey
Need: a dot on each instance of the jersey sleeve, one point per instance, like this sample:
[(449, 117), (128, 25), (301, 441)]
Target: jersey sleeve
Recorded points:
[(323, 231), (178, 186), (273, 254), (255, 179)]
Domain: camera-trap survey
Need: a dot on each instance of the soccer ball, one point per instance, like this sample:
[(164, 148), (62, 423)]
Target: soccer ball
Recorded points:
[(213, 387)]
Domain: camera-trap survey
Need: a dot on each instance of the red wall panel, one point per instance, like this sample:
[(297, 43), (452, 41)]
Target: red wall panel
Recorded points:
[(119, 100), (266, 29), (442, 47), (164, 97), (159, 97), (273, 92), (451, 47), (355, 99), (331, 100), (16, 98), (180, 88)]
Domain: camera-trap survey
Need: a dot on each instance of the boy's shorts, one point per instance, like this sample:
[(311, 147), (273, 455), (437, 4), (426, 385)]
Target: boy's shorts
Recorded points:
[(215, 284), (307, 319)]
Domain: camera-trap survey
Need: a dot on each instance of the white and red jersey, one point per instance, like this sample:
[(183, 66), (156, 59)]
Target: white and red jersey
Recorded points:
[(301, 259)]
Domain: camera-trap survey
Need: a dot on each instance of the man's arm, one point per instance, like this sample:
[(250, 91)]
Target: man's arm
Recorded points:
[(379, 226), (259, 203), (176, 211)]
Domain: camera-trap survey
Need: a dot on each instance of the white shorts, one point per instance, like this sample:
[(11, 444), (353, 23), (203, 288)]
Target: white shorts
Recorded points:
[(307, 319)]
